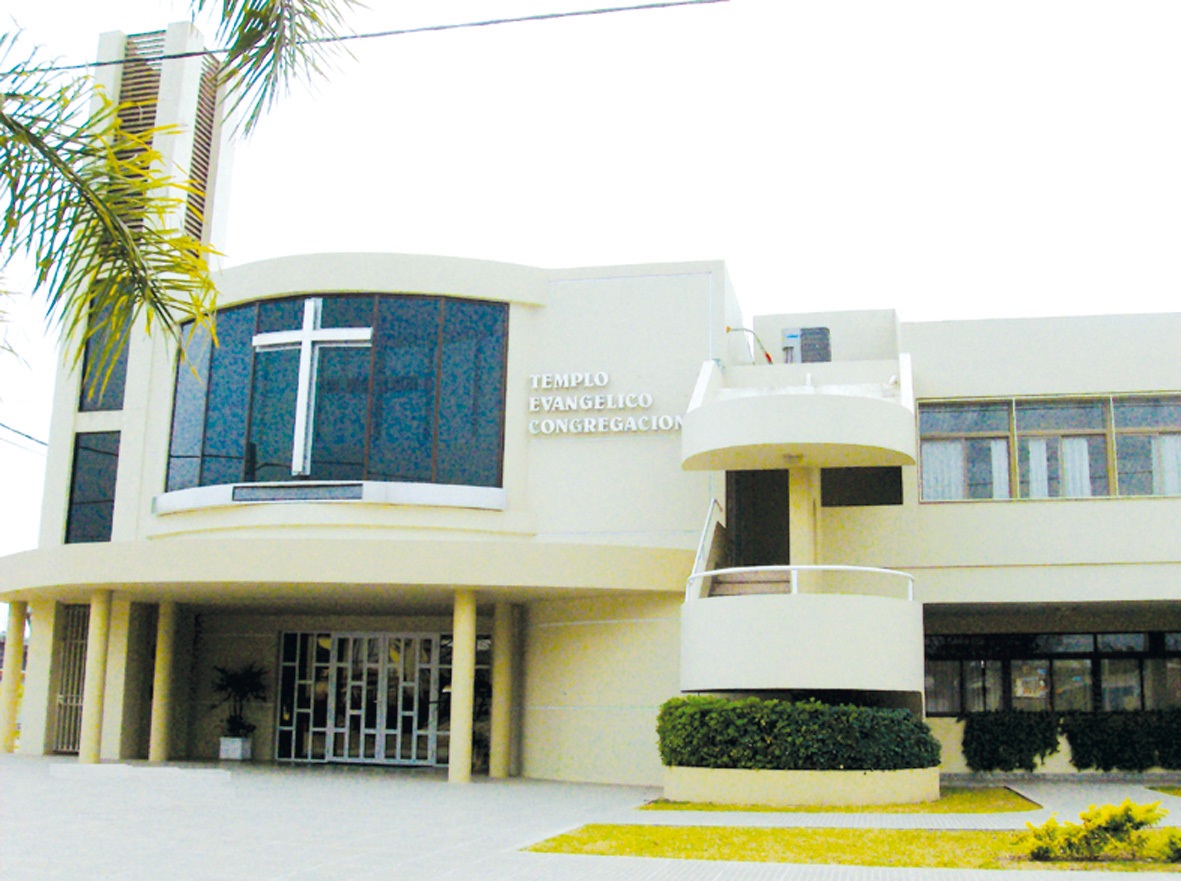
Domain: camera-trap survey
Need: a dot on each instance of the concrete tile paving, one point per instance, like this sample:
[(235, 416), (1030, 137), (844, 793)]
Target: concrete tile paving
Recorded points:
[(120, 822)]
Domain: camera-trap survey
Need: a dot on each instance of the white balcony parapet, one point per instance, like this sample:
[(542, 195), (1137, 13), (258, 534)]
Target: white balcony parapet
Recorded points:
[(798, 579), (814, 414)]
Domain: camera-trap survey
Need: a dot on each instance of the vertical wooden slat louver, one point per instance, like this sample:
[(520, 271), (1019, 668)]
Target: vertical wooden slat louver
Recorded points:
[(139, 89), (71, 678), (202, 150)]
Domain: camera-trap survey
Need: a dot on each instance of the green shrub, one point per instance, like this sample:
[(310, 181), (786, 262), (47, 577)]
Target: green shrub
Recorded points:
[(1006, 741), (1167, 731), (1171, 853), (757, 734), (1110, 832), (1108, 741), (1124, 741)]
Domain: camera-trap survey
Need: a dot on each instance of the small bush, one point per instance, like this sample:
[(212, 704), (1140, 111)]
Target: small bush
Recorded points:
[(1110, 832), (1006, 741), (756, 734), (1171, 852), (1124, 741)]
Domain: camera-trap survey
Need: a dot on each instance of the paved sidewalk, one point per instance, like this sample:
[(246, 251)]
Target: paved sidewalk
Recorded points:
[(61, 820)]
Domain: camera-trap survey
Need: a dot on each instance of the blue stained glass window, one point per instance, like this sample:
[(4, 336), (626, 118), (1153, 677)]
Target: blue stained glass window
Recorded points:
[(272, 420), (416, 395), (280, 315), (342, 404), (188, 411), (229, 398), (407, 342), (471, 387), (349, 311)]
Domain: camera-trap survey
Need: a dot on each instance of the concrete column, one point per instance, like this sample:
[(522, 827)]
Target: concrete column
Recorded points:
[(94, 687), (503, 651), (39, 692), (463, 687), (14, 653), (804, 501), (162, 683)]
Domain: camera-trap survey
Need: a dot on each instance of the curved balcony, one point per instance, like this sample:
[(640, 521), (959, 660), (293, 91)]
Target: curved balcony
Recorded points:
[(826, 415), (801, 627)]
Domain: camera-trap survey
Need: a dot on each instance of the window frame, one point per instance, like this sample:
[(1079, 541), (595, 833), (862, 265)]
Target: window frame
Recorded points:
[(1158, 649), (1109, 433), (187, 468)]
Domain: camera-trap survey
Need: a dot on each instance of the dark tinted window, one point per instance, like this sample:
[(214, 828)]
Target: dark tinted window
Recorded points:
[(102, 389), (471, 387), (850, 487), (92, 487), (272, 423), (188, 410), (229, 397), (404, 389), (342, 404)]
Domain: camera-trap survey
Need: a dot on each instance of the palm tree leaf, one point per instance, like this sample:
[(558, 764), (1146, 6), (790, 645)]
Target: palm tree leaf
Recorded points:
[(97, 210), (270, 44)]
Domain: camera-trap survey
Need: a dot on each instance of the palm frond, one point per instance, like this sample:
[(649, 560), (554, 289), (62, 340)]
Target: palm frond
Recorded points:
[(272, 43), (96, 209)]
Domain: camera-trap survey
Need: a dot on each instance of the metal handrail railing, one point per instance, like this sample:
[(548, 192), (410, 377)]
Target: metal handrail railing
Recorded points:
[(793, 573), (712, 518)]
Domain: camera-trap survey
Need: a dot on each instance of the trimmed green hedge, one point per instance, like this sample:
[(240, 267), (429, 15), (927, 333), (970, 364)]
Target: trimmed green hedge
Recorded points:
[(1006, 741), (1108, 741), (757, 734), (1129, 741)]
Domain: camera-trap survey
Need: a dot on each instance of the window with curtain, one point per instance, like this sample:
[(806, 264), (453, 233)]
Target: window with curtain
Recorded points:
[(1062, 449), (965, 451), (1038, 448), (1148, 445)]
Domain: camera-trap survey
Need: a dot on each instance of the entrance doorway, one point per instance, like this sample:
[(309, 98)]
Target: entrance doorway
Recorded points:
[(370, 698), (71, 676), (757, 518)]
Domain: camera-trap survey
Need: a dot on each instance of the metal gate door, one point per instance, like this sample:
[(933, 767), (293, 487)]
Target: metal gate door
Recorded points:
[(384, 698), (71, 676)]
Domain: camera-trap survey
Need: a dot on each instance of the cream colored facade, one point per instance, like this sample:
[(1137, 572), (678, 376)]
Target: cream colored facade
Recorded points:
[(588, 566), (574, 493), (587, 548)]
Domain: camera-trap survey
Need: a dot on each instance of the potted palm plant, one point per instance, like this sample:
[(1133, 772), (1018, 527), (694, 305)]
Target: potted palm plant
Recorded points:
[(238, 687)]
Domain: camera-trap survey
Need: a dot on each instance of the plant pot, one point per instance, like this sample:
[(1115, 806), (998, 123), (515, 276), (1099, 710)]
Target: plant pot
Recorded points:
[(235, 749)]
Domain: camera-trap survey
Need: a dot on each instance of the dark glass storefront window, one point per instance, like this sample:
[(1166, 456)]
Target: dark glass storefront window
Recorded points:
[(1062, 672), (387, 388), (92, 487)]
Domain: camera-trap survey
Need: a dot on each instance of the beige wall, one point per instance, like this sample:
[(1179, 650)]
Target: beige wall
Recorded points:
[(1045, 356), (1054, 550), (596, 673)]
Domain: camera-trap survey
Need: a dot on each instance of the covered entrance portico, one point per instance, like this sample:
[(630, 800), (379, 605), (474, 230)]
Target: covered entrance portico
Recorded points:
[(162, 615)]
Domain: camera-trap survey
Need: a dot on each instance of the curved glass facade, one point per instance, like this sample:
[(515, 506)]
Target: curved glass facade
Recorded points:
[(396, 388)]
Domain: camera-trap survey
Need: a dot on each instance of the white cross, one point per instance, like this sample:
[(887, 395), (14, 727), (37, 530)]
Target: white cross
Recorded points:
[(308, 339)]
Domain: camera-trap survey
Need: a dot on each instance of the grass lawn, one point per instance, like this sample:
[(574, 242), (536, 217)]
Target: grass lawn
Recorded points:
[(952, 800), (1167, 790), (919, 848)]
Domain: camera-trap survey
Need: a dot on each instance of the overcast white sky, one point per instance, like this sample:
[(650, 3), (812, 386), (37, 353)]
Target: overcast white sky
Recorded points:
[(946, 159)]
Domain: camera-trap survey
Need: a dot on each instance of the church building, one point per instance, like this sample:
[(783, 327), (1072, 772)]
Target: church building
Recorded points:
[(488, 517)]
